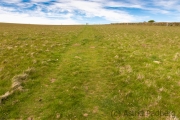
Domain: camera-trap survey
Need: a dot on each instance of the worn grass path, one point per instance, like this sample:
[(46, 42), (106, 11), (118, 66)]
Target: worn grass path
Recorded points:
[(79, 81)]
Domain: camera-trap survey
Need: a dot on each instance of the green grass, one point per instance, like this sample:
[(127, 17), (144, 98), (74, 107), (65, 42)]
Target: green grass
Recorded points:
[(90, 72)]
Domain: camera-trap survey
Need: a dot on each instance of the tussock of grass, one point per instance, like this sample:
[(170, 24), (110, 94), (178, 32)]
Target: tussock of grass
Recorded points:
[(17, 83), (3, 97)]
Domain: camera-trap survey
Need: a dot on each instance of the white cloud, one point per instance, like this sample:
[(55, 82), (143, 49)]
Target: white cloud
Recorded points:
[(40, 0), (122, 4), (23, 18), (10, 17), (74, 11), (94, 9), (11, 1), (168, 4)]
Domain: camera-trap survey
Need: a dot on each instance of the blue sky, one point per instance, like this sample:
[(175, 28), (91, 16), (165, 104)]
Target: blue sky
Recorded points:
[(88, 11)]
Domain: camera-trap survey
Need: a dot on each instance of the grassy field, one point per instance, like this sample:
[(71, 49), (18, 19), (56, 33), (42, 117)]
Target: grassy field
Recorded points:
[(89, 72)]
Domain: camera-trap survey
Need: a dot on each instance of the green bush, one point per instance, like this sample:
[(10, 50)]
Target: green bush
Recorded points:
[(151, 21)]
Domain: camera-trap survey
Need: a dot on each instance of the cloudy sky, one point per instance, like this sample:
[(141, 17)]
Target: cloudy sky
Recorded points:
[(88, 11)]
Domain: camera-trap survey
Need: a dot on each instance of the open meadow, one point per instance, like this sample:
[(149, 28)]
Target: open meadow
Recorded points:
[(94, 72)]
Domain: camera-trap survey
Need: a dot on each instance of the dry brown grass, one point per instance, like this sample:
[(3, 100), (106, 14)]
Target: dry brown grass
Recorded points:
[(17, 83)]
